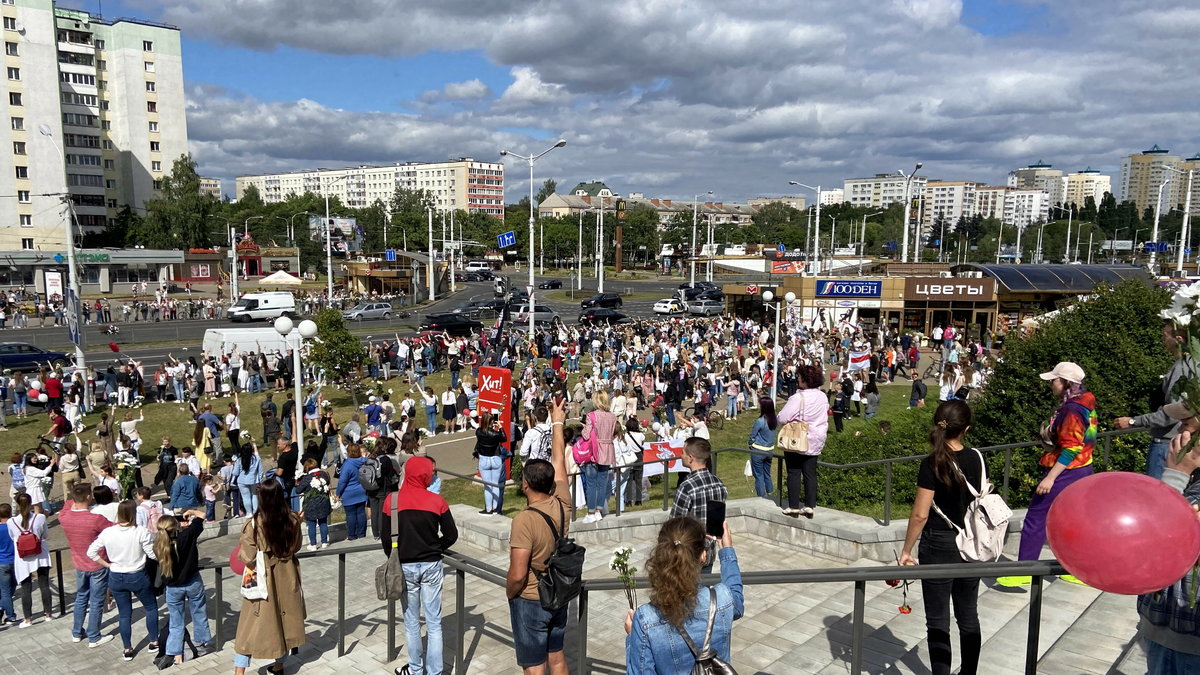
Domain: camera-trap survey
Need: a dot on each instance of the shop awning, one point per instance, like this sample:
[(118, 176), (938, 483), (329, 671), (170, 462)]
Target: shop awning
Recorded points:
[(1056, 278), (280, 278)]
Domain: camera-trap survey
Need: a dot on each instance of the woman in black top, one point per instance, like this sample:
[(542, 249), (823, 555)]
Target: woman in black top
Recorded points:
[(488, 450), (942, 483), (178, 560)]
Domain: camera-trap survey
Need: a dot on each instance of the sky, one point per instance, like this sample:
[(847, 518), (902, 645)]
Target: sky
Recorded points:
[(677, 97)]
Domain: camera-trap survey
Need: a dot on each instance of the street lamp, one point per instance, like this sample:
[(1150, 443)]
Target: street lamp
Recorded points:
[(816, 235), (789, 298), (305, 331), (72, 304), (832, 241), (862, 242), (1184, 235), (907, 204), (695, 211), (531, 159), (1154, 234)]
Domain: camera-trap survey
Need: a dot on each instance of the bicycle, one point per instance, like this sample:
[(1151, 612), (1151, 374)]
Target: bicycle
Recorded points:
[(933, 370), (714, 419)]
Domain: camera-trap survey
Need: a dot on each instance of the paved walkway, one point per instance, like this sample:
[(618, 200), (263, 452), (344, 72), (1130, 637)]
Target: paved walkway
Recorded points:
[(786, 629)]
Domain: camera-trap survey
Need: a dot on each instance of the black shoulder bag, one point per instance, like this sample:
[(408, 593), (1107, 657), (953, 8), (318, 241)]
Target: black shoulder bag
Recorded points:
[(563, 579), (707, 662)]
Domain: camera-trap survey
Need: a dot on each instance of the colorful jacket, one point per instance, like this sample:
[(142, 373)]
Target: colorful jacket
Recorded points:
[(1073, 431)]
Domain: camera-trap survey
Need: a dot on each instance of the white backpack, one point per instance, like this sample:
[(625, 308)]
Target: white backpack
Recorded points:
[(985, 521)]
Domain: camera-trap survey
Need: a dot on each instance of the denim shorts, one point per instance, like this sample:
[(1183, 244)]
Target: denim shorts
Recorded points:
[(536, 631)]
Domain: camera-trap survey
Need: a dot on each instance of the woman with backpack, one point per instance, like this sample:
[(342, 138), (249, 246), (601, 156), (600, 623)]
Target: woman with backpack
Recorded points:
[(385, 480), (247, 472), (353, 495), (314, 488), (490, 452), (942, 485), (27, 529), (126, 548), (681, 610), (178, 560)]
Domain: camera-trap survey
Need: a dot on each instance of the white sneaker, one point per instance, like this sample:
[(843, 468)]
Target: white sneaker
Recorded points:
[(323, 546), (25, 624), (102, 641), (76, 639), (310, 548)]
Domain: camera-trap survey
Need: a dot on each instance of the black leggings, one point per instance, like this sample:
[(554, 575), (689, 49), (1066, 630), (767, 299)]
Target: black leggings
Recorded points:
[(43, 580), (937, 547), (801, 466)]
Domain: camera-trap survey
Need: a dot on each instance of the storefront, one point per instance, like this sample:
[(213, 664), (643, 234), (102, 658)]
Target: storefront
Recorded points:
[(105, 270), (201, 265), (969, 304)]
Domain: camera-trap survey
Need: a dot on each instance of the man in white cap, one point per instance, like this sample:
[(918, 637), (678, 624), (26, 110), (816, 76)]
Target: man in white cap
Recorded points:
[(374, 413)]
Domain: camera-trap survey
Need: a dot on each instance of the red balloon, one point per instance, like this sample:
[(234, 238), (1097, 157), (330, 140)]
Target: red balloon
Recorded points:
[(114, 346), (1124, 533), (235, 564)]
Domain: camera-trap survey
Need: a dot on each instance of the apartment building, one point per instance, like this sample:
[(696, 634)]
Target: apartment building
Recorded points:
[(949, 199), (1142, 173), (1040, 176), (463, 183), (832, 197), (94, 111), (1014, 207), (1084, 184), (210, 187), (881, 190)]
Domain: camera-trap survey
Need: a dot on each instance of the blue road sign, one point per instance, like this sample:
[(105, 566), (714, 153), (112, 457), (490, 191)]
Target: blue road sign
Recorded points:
[(780, 247), (74, 329), (390, 255), (507, 239), (889, 246), (1155, 247), (1187, 251)]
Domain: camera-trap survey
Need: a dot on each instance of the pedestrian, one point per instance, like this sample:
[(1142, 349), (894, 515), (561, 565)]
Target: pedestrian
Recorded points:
[(1069, 439), (273, 627), (1161, 426), (810, 407), (81, 528), (916, 396), (699, 488), (943, 484), (352, 494), (430, 400), (126, 548), (599, 428), (314, 488), (490, 454), (32, 557), (427, 531), (186, 492), (178, 561), (8, 584), (762, 439), (840, 404), (247, 472), (168, 454), (680, 605)]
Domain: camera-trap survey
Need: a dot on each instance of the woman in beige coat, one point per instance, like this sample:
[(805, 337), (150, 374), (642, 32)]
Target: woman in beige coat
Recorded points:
[(271, 628)]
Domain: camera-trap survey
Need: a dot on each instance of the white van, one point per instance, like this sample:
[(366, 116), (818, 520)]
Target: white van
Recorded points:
[(268, 306), (479, 266)]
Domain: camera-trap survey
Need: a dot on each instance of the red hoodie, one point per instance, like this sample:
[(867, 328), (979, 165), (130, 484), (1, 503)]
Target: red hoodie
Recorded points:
[(426, 527)]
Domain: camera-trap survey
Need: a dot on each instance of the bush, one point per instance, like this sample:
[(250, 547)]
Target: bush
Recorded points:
[(862, 489)]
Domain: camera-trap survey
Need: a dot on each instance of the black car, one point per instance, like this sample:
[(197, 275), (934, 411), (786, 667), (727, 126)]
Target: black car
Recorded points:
[(468, 276), (711, 294), (602, 300), (479, 309), (24, 356), (484, 275), (553, 283), (699, 284), (601, 315), (688, 294), (454, 324)]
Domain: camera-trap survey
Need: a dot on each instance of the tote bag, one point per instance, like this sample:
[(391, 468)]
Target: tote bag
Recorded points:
[(254, 582)]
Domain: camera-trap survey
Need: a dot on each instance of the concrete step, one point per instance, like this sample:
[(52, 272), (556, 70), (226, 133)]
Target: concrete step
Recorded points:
[(1062, 604), (1098, 640)]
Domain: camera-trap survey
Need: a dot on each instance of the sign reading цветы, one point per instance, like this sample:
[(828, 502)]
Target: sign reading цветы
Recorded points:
[(943, 288)]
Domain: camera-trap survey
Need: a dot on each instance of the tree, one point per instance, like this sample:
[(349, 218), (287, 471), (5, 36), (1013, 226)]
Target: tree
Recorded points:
[(548, 188), (772, 219), (177, 218), (410, 217), (641, 229), (337, 351)]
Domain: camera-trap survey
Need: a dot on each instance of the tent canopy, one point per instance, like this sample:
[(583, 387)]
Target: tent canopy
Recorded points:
[(281, 278)]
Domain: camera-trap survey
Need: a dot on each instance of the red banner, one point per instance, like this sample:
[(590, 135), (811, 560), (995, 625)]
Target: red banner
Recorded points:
[(787, 267), (660, 450), (495, 396)]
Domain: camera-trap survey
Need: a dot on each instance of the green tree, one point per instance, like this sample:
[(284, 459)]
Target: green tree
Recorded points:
[(548, 188), (336, 351), (177, 217), (641, 229), (410, 218), (773, 219)]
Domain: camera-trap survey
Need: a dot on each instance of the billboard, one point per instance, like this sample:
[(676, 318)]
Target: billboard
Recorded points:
[(786, 267), (495, 395), (345, 234), (842, 288)]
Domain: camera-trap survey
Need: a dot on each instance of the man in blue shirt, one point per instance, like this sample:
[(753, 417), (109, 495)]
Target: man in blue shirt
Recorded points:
[(215, 427), (373, 412)]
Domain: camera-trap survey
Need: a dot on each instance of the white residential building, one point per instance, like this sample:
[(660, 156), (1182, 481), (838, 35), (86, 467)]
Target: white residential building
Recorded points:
[(949, 199), (1084, 184), (1040, 176), (881, 190), (458, 184), (1013, 206), (832, 197), (93, 109)]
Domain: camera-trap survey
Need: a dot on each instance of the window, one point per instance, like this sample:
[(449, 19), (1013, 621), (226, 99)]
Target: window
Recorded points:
[(26, 220), (18, 124), (102, 65), (83, 160), (79, 119), (153, 127), (151, 106), (112, 203), (84, 180), (107, 145), (81, 141), (23, 196), (147, 46), (27, 243), (76, 59), (154, 166), (99, 44), (110, 184), (22, 172), (71, 98), (87, 200), (150, 87), (106, 125), (10, 48), (158, 185), (109, 164), (10, 23), (155, 146), (14, 73), (18, 147), (149, 66), (14, 98), (77, 78), (103, 104)]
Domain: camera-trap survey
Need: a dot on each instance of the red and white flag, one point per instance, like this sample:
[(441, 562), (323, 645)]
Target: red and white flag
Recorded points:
[(860, 360)]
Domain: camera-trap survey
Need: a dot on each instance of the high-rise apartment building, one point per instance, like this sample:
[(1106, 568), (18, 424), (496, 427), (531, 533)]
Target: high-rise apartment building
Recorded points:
[(1142, 173), (1013, 206), (210, 187), (1084, 184), (93, 110), (462, 183), (950, 199), (881, 190), (1040, 176)]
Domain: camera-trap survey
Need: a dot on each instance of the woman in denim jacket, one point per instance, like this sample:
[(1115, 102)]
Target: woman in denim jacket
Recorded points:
[(678, 601)]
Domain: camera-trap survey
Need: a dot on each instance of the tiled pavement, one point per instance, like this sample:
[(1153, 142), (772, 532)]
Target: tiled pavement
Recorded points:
[(787, 628)]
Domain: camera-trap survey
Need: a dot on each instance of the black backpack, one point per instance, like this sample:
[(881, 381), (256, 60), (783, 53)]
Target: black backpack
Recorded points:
[(563, 578)]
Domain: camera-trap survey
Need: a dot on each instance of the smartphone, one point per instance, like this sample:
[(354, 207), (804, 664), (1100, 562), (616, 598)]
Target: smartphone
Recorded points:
[(715, 520)]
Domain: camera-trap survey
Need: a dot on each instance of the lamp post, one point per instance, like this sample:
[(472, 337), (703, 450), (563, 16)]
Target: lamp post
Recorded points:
[(1187, 214), (695, 211), (1153, 264), (789, 298), (817, 233), (579, 256), (531, 159), (432, 262), (862, 242), (832, 241), (908, 178), (69, 242), (305, 331), (329, 241), (600, 250)]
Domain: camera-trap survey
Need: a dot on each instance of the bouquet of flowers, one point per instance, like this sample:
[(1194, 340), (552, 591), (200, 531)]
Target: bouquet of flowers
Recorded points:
[(621, 564), (127, 468), (1184, 313), (318, 487)]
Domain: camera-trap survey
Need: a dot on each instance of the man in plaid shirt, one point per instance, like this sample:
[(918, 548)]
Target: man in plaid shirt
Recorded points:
[(700, 487)]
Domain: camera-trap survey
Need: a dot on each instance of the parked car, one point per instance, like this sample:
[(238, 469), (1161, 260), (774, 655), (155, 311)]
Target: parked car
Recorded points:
[(553, 283), (541, 314), (478, 266), (24, 356), (706, 307), (601, 315), (368, 310), (712, 294), (468, 276), (699, 284), (669, 306), (689, 294), (454, 324), (602, 300), (269, 305), (484, 275)]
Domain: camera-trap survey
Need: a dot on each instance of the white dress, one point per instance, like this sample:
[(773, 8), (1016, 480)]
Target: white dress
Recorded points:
[(23, 567), (35, 483)]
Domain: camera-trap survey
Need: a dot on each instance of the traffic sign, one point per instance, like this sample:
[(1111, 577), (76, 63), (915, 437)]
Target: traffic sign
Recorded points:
[(1155, 247), (507, 239), (780, 247), (74, 332), (1187, 251), (390, 255)]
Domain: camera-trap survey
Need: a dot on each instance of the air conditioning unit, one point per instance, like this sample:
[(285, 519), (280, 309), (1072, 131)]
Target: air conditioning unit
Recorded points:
[(945, 275)]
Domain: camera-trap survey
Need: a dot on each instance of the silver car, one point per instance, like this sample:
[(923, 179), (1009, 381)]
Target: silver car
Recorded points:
[(541, 314), (706, 307), (368, 310)]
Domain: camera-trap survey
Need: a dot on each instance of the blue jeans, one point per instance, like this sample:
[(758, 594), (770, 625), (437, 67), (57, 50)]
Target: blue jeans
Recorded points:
[(8, 588), (431, 418), (312, 531), (671, 414), (356, 520), (1156, 460), (454, 378), (761, 466), (243, 660), (1163, 661), (424, 592), (249, 495), (210, 510), (124, 586), (90, 588), (596, 485), (178, 385), (491, 469), (193, 594), (730, 407)]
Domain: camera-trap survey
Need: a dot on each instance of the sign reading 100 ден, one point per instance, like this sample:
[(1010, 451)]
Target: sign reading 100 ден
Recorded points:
[(843, 288)]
